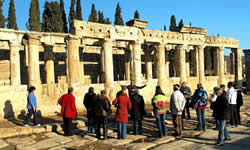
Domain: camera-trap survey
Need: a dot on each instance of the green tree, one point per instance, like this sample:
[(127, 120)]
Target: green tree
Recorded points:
[(34, 16), (93, 14), (2, 19), (65, 26), (107, 21), (12, 16), (100, 17), (52, 17), (137, 15), (118, 16), (180, 24), (72, 16), (165, 28), (78, 10), (190, 23), (172, 26)]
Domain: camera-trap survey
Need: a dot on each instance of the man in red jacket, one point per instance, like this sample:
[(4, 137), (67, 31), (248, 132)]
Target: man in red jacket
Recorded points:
[(122, 103), (68, 111)]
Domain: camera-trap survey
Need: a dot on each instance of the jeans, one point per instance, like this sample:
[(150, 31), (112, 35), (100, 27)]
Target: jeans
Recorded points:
[(223, 132), (67, 123), (137, 127), (160, 120), (31, 112), (122, 130), (101, 120), (201, 119), (91, 126)]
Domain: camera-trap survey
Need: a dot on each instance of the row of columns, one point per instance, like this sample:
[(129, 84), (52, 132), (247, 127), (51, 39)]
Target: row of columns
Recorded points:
[(75, 69)]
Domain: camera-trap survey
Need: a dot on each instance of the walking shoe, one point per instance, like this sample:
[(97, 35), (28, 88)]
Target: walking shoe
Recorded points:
[(219, 144), (37, 125), (227, 139), (25, 125), (233, 126)]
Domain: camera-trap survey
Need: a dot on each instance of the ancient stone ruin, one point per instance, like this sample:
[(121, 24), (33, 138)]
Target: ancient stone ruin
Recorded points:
[(106, 57)]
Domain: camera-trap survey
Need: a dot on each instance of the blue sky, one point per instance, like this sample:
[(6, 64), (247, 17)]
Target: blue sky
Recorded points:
[(229, 18)]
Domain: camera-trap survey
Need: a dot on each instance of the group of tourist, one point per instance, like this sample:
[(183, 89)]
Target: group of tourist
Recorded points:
[(225, 105)]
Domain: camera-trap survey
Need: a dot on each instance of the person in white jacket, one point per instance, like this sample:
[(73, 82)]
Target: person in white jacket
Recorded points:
[(232, 100), (177, 104)]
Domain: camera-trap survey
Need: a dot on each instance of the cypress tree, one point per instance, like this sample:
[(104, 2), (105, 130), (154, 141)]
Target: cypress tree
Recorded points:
[(78, 10), (118, 17), (137, 15), (12, 16), (52, 17), (190, 23), (2, 19), (165, 28), (65, 27), (72, 16), (34, 16), (100, 17), (107, 21), (93, 14), (172, 26), (180, 24)]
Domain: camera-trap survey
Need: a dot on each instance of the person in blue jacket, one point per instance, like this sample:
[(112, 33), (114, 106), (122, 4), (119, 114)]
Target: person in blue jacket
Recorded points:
[(32, 107)]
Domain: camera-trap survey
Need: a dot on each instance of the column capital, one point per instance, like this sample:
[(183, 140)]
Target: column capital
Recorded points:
[(14, 44), (34, 39), (200, 46), (181, 46), (221, 48)]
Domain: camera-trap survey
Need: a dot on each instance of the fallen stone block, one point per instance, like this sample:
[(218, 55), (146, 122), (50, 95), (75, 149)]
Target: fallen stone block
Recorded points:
[(44, 144), (24, 130), (80, 124), (8, 132), (116, 142), (38, 130), (21, 140), (163, 140), (140, 146), (77, 142), (3, 144)]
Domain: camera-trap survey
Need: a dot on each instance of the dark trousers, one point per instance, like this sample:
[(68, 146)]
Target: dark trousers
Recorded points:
[(137, 127), (233, 115), (101, 120), (31, 112), (186, 109), (178, 123), (67, 123), (238, 114)]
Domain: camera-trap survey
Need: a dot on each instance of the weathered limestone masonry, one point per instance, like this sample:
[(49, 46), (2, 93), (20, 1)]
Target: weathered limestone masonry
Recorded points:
[(247, 69), (106, 57)]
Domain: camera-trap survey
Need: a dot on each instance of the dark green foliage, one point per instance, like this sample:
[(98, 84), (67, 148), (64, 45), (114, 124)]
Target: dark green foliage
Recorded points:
[(34, 16), (52, 17), (165, 28), (107, 21), (78, 10), (172, 26), (100, 17), (190, 23), (12, 16), (2, 19), (137, 15), (93, 14), (118, 17), (180, 24), (72, 16), (65, 27)]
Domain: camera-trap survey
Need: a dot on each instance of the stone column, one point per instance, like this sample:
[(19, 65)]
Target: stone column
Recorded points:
[(49, 63), (137, 63), (232, 61), (160, 63), (216, 63), (102, 76), (247, 69), (221, 65), (108, 68), (15, 78), (195, 61), (73, 61), (127, 64), (238, 69), (33, 60), (182, 62), (201, 70), (187, 62), (167, 62), (148, 63), (225, 67)]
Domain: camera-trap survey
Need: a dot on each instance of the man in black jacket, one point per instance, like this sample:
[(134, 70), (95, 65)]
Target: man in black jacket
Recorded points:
[(186, 91), (89, 103), (221, 115), (239, 102)]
